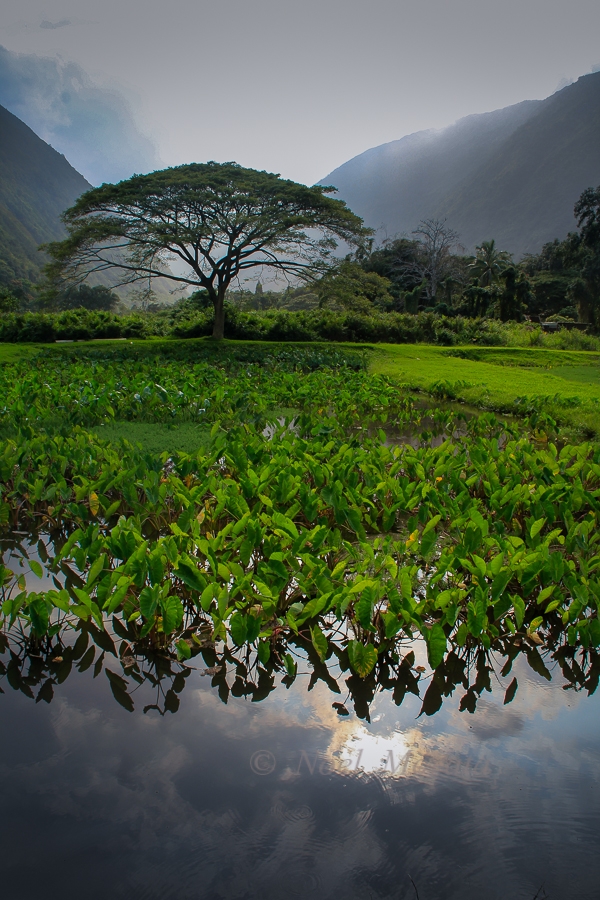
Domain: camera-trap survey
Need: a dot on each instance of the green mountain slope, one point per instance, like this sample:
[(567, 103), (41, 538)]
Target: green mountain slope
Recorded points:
[(513, 174), (36, 185)]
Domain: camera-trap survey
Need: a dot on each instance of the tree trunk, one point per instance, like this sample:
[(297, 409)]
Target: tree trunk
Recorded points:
[(219, 321)]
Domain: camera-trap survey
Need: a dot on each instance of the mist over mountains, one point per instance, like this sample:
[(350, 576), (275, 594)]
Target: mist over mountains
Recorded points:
[(92, 125), (513, 174)]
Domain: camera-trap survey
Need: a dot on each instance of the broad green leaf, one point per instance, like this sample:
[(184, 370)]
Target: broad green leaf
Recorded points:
[(314, 607), (36, 568), (60, 599), (499, 584), (172, 613), (479, 521), (208, 595), (83, 597), (319, 642), (364, 609), (96, 569), (475, 618), (238, 627), (149, 597), (428, 542), (353, 519), (362, 657), (115, 599), (406, 584), (480, 566), (392, 624), (291, 665), (519, 608), (191, 576), (253, 628), (360, 585), (156, 568), (112, 509), (183, 649), (462, 633), (496, 564), (436, 645), (431, 524), (147, 627), (264, 651), (547, 592), (245, 551), (39, 614), (536, 527), (594, 632)]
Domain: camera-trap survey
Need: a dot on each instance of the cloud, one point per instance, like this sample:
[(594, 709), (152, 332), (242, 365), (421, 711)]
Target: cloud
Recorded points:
[(61, 24), (91, 125), (563, 83)]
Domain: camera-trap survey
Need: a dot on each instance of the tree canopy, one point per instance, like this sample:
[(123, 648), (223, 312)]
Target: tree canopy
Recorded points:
[(203, 225), (587, 213), (489, 263), (348, 286)]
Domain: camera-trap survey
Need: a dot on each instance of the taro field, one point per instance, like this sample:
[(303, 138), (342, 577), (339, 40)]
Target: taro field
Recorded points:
[(179, 505)]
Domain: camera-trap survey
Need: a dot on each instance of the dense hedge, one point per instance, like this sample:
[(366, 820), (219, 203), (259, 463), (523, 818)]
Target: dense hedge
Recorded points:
[(75, 325), (283, 325), (386, 328), (324, 325)]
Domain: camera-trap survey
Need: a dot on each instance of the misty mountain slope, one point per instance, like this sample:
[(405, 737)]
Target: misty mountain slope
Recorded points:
[(397, 184), (36, 185), (513, 174), (523, 196)]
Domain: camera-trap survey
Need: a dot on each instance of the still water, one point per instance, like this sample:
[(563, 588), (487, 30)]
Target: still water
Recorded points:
[(287, 797)]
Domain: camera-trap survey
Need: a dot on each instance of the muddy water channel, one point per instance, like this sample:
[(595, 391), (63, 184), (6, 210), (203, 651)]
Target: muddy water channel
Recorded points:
[(133, 776)]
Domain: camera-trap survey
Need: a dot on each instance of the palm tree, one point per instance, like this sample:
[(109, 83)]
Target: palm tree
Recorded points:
[(489, 263)]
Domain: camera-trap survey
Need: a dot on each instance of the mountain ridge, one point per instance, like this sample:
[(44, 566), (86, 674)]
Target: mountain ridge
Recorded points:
[(482, 172), (37, 183)]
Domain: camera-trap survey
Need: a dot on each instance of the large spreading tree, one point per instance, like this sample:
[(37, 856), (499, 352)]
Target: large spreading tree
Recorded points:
[(203, 225)]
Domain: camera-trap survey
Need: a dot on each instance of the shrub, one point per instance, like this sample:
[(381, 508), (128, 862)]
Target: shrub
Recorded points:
[(75, 325), (290, 326)]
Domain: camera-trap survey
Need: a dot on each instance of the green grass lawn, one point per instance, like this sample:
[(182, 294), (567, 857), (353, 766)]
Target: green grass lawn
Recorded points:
[(567, 381), (157, 438), (505, 372)]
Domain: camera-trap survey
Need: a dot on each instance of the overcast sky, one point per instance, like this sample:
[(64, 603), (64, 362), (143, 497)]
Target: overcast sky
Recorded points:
[(288, 86)]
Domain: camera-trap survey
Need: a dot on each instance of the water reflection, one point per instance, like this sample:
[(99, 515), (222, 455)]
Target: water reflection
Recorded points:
[(136, 774), (154, 679), (286, 797)]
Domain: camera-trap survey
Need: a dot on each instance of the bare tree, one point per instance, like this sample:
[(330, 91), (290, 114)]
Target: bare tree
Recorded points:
[(433, 261)]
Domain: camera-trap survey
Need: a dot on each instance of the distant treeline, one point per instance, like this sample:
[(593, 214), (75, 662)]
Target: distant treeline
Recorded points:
[(427, 272)]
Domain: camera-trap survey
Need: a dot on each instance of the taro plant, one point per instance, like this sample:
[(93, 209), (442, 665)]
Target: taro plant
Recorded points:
[(320, 533)]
